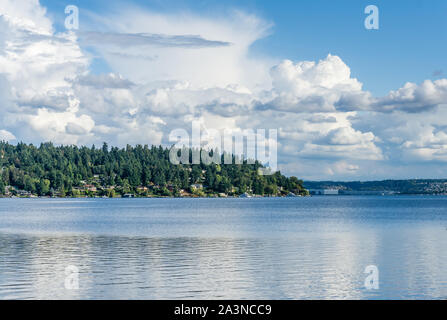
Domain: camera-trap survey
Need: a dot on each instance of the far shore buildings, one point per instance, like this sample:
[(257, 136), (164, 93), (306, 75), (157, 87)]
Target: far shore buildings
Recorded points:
[(143, 189), (90, 187), (334, 192), (323, 192), (197, 186)]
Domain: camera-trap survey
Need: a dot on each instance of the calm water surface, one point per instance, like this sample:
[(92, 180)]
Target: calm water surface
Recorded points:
[(277, 248)]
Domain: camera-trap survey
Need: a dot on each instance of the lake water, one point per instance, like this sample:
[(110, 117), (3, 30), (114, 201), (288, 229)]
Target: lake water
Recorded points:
[(257, 248)]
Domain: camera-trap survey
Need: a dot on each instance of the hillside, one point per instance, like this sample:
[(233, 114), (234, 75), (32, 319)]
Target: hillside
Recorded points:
[(412, 186), (48, 170)]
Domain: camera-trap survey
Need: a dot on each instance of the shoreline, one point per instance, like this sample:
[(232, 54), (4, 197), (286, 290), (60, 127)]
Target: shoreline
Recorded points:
[(227, 197), (154, 197)]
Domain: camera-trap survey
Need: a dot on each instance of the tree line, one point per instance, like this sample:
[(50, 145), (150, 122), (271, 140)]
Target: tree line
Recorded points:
[(140, 170)]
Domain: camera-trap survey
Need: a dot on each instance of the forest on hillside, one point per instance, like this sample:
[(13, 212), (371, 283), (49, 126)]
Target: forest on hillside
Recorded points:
[(72, 171)]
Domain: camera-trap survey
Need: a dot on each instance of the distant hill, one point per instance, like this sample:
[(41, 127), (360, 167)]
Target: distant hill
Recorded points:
[(412, 186)]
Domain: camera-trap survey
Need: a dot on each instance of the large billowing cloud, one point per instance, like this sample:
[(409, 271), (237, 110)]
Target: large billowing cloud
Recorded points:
[(38, 65), (169, 69), (313, 87)]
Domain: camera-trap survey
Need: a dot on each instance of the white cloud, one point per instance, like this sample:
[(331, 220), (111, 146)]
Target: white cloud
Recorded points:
[(364, 151), (224, 61), (6, 136), (415, 98), (26, 15), (38, 65), (312, 87), (342, 168), (63, 127), (348, 136)]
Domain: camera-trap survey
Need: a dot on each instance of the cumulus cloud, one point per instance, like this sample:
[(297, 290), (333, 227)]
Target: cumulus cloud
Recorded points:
[(33, 60), (312, 87), (415, 98), (420, 140), (348, 136), (37, 65), (64, 127)]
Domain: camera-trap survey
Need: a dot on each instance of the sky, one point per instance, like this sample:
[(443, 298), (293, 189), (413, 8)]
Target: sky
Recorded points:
[(349, 103)]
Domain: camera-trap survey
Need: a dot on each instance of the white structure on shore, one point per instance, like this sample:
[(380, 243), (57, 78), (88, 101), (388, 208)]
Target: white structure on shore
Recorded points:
[(323, 192), (245, 195)]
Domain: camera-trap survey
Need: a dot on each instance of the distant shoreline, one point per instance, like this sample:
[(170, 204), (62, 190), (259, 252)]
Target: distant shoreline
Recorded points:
[(409, 186), (231, 197)]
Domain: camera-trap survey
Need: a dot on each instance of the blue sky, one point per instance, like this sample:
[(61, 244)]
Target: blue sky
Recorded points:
[(348, 103)]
